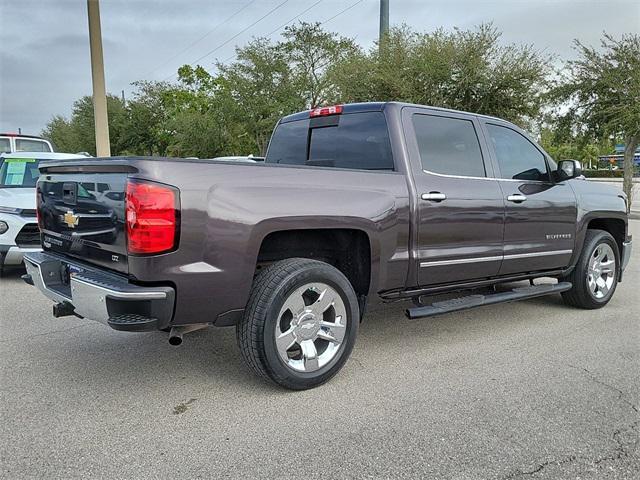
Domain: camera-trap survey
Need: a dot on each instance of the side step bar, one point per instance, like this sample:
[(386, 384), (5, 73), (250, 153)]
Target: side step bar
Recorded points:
[(471, 301)]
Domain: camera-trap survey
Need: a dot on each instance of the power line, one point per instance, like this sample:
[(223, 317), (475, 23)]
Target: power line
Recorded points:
[(294, 18), (282, 26), (199, 39), (341, 12), (235, 36)]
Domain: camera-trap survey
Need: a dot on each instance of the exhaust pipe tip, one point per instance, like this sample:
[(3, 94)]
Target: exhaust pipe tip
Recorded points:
[(176, 333), (175, 338)]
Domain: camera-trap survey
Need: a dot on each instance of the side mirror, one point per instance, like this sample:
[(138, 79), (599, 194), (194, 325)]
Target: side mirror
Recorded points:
[(568, 169)]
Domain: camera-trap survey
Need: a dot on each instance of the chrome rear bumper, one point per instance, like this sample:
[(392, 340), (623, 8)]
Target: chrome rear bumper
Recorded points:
[(98, 295)]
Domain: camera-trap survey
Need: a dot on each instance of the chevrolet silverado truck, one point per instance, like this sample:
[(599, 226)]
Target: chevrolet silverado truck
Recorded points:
[(352, 202)]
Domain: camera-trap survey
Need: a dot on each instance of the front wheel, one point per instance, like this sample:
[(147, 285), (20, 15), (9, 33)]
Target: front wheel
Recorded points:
[(596, 274), (300, 324)]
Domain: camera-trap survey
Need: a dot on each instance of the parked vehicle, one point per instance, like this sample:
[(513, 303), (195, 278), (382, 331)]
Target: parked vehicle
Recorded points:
[(18, 228), (352, 202), (13, 142)]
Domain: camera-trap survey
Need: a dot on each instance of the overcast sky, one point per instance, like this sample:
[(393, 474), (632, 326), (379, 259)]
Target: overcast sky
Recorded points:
[(44, 46)]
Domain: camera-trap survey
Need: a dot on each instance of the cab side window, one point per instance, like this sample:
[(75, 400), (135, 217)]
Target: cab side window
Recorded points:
[(448, 146), (517, 157)]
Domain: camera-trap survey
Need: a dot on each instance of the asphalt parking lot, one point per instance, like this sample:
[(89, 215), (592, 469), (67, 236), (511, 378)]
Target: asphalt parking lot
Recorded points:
[(526, 390)]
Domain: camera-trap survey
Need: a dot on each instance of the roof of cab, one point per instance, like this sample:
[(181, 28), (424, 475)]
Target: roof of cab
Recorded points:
[(346, 108), (21, 135), (377, 107)]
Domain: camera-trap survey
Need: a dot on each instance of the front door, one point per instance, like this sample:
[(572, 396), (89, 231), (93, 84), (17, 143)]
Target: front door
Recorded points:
[(540, 220), (460, 206)]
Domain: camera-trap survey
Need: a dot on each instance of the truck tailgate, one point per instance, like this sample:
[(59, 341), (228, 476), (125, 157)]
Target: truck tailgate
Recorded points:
[(82, 213)]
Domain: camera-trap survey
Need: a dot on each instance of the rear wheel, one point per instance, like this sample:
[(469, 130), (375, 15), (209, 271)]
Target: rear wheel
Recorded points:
[(596, 274), (300, 324)]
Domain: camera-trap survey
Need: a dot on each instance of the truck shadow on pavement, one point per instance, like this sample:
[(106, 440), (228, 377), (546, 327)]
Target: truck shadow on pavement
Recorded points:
[(210, 359)]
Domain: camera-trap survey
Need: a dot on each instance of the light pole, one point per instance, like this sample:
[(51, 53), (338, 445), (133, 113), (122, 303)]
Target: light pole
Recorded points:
[(103, 148), (384, 21)]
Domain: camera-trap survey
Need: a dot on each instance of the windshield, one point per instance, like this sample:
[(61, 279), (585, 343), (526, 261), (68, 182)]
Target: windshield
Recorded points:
[(19, 172)]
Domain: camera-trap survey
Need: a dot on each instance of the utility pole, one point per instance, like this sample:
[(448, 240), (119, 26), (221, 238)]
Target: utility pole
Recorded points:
[(103, 148), (384, 21)]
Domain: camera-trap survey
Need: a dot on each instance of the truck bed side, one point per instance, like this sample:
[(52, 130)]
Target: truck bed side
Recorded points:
[(227, 210)]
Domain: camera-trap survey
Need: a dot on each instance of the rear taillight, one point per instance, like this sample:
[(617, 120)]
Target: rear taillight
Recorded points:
[(152, 217), (325, 111)]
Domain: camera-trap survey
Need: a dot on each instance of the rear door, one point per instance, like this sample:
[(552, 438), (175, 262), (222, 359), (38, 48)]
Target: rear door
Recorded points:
[(540, 221), (460, 205)]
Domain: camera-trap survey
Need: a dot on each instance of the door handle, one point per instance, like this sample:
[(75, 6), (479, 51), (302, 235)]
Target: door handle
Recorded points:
[(517, 198), (434, 196)]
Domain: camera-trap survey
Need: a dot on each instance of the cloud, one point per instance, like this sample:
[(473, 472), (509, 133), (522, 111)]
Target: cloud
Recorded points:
[(44, 60)]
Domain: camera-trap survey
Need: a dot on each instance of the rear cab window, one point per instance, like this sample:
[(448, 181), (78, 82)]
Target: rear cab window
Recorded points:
[(351, 140), (31, 145)]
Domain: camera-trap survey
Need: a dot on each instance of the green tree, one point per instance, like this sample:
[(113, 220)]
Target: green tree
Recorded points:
[(561, 144), (602, 88), (261, 85), (310, 51), (590, 154), (60, 132), (147, 113), (464, 69), (204, 120), (77, 134)]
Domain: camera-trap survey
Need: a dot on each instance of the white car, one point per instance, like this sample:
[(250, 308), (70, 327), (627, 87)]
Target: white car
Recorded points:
[(13, 142), (18, 224)]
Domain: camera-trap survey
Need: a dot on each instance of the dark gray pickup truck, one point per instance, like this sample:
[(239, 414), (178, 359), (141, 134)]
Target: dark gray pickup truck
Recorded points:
[(352, 202)]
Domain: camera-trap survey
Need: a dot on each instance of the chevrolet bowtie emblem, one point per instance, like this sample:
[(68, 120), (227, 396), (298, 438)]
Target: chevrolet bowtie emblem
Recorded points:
[(71, 219)]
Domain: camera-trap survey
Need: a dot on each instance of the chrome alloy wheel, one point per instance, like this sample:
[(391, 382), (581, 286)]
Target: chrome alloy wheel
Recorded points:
[(311, 327), (602, 269)]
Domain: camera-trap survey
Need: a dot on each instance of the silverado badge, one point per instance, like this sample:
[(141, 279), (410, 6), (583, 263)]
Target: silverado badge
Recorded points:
[(71, 219)]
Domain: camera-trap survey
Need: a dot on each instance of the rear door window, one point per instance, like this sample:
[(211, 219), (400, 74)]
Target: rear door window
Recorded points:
[(356, 141), (448, 146)]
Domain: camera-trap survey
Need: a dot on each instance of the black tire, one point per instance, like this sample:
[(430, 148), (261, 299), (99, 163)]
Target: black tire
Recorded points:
[(255, 333), (580, 295), (2, 268)]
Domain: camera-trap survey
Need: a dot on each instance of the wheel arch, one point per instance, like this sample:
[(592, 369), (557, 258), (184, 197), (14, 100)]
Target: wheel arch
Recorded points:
[(615, 226), (350, 250), (614, 222)]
